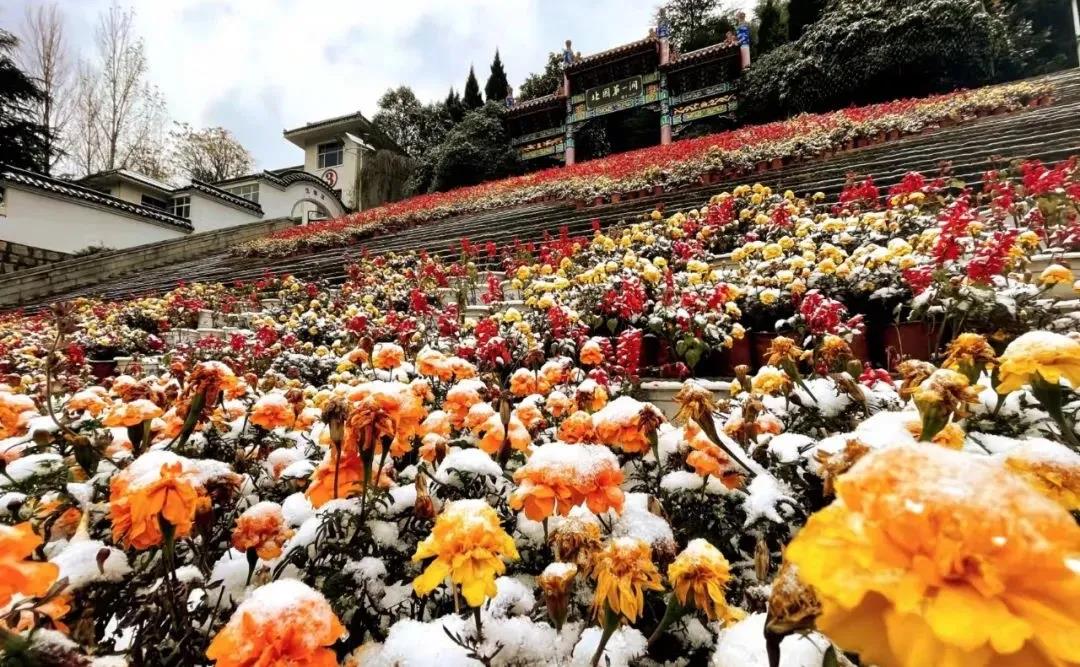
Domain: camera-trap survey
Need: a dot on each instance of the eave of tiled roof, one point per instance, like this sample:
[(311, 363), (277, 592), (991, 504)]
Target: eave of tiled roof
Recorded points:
[(544, 101), (701, 55), (67, 190), (224, 195), (613, 54)]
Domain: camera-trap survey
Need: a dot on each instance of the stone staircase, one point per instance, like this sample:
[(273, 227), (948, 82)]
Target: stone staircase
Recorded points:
[(1048, 133)]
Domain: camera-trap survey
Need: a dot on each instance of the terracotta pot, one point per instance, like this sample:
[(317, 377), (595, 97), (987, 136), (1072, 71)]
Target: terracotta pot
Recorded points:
[(893, 135), (739, 355), (761, 166), (861, 141), (908, 340), (102, 369), (859, 348), (716, 175), (705, 179), (776, 163), (849, 144), (616, 197), (598, 201), (879, 138), (657, 190), (579, 204)]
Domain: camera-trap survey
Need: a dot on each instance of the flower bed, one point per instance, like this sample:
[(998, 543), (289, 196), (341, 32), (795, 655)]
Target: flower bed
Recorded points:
[(360, 476), (680, 163)]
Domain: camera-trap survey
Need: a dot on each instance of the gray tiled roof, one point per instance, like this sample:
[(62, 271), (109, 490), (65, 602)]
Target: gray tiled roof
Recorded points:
[(68, 190)]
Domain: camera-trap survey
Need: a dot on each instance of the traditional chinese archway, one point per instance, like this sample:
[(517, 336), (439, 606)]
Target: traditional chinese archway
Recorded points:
[(682, 89)]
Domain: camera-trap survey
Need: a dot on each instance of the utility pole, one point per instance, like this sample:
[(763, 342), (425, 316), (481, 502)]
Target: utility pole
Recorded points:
[(1076, 28)]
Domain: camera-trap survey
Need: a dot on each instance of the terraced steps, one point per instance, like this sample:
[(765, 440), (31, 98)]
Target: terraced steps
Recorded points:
[(1047, 133)]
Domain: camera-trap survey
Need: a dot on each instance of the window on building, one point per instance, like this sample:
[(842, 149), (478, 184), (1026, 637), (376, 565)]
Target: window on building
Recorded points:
[(249, 191), (331, 154), (154, 202), (181, 207)]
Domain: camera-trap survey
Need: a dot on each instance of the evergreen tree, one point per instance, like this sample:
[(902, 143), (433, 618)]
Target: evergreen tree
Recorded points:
[(772, 28), (472, 99), (802, 13), (23, 142), (454, 107), (497, 87)]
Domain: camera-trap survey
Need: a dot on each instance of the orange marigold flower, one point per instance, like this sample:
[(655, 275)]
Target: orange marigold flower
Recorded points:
[(624, 571), (157, 486), (387, 356), (529, 415), (708, 459), (17, 574), (271, 411), (15, 411), (523, 382), (463, 370), (261, 527), (437, 421), (469, 546), (590, 396), (490, 434), (400, 404), (560, 476), (699, 575), (282, 623), (518, 435), (461, 397), (592, 354), (558, 404), (578, 427), (432, 363), (626, 423), (934, 557), (553, 373), (92, 399), (344, 474)]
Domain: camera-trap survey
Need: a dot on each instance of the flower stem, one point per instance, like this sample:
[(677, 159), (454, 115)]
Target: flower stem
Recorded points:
[(611, 623), (673, 613)]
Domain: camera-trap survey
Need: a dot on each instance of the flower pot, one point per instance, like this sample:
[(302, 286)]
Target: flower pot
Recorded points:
[(861, 141), (102, 369), (657, 190), (705, 179), (761, 166), (598, 201), (849, 144), (908, 340), (616, 197), (776, 163), (859, 348), (716, 175), (739, 355), (579, 204), (645, 192), (892, 135)]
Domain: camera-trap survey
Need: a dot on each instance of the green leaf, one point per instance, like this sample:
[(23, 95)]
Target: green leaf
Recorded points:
[(612, 323)]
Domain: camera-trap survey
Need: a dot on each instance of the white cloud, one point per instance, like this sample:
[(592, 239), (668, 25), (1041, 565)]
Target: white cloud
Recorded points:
[(261, 66)]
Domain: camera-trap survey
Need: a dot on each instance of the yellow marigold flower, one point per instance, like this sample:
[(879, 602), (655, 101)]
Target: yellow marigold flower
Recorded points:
[(1050, 355), (699, 575), (769, 296), (624, 571), (1050, 467), (1055, 274), (935, 557), (771, 381), (469, 546)]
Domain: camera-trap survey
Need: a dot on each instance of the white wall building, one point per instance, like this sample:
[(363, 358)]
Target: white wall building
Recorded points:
[(120, 208)]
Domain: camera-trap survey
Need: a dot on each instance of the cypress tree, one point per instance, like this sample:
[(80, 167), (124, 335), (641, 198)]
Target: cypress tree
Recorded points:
[(497, 86), (22, 139), (454, 107), (472, 99)]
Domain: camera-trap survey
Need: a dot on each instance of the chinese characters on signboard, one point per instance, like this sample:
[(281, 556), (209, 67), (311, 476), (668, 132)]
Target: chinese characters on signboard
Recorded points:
[(613, 92)]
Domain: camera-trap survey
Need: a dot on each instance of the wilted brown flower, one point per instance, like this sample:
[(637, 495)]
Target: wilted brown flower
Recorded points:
[(792, 604), (556, 581), (783, 348), (835, 464), (576, 541), (912, 373), (695, 402)]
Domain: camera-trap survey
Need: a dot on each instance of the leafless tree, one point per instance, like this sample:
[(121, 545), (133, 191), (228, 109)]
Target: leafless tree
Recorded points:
[(44, 55), (210, 154), (122, 116)]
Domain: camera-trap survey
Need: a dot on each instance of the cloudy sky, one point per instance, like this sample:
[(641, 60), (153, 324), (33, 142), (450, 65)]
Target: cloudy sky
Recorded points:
[(257, 67)]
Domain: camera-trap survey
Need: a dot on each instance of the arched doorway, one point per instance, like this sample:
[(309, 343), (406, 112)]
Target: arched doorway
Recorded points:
[(309, 210)]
